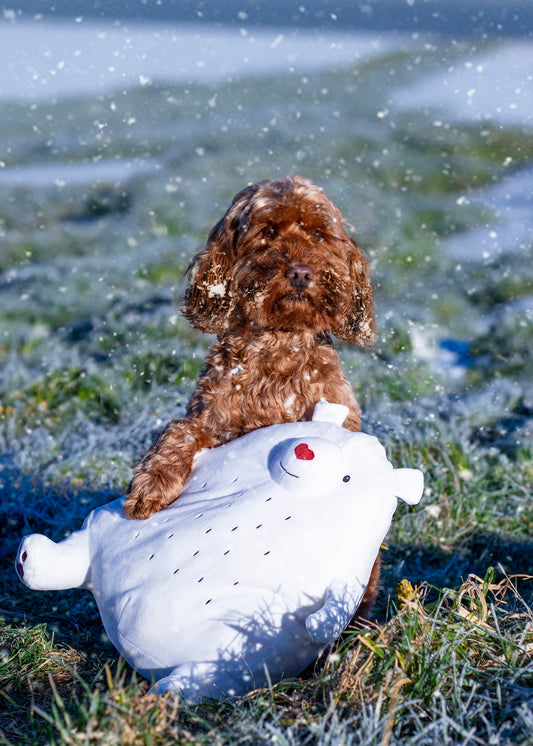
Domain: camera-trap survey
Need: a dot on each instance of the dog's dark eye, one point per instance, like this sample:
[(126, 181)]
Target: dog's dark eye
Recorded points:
[(269, 231), (318, 235), (346, 478)]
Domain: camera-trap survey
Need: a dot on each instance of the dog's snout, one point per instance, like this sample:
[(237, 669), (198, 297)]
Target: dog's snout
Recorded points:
[(300, 275)]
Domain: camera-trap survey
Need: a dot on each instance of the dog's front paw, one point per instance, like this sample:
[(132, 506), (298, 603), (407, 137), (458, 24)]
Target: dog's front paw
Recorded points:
[(149, 493), (138, 507), (160, 477)]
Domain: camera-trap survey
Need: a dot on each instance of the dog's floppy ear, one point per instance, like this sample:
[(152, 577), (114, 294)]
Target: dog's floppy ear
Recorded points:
[(208, 298), (354, 322)]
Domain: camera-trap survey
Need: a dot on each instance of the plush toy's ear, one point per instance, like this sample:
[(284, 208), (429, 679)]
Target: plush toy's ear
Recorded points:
[(355, 321), (408, 485), (324, 411)]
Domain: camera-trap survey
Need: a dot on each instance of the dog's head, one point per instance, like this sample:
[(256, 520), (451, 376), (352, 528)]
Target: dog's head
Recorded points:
[(280, 259)]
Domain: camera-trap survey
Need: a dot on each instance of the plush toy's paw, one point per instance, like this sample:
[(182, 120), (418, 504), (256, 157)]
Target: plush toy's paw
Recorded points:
[(329, 622), (33, 561), (43, 565), (174, 685), (324, 626), (164, 685), (22, 557)]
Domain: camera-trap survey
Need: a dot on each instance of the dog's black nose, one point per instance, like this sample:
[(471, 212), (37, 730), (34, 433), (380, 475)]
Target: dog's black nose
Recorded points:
[(300, 275)]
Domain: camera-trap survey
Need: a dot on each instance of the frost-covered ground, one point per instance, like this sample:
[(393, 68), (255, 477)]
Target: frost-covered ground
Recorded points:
[(121, 145)]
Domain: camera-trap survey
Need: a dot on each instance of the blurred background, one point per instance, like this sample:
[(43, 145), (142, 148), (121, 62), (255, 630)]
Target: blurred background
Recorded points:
[(125, 130)]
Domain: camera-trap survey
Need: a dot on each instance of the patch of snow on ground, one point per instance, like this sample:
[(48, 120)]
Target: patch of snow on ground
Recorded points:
[(46, 60), (492, 86), (512, 231), (76, 173)]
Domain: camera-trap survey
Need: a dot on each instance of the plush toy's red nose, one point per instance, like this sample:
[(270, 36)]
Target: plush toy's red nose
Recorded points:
[(303, 452)]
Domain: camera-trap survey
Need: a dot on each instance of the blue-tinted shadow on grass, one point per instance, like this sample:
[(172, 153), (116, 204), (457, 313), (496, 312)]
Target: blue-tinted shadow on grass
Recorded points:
[(28, 505)]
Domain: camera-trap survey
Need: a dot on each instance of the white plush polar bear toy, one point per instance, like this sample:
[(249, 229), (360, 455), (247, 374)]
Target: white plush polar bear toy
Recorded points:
[(260, 564)]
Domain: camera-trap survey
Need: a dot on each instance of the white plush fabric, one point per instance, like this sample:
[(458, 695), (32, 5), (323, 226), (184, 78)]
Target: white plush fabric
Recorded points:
[(261, 562)]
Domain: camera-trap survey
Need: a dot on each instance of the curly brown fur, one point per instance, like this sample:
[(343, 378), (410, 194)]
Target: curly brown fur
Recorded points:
[(278, 275)]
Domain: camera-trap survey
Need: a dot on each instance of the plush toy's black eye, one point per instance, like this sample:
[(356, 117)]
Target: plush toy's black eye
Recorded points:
[(346, 478)]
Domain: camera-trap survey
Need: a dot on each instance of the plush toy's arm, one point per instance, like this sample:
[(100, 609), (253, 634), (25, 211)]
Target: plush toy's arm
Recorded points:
[(43, 565), (340, 604)]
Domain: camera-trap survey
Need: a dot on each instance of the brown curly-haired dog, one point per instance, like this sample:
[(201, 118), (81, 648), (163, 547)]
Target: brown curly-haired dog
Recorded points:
[(279, 274)]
